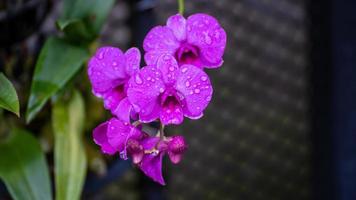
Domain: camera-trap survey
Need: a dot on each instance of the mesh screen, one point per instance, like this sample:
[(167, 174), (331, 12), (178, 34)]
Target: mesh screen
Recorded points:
[(252, 142)]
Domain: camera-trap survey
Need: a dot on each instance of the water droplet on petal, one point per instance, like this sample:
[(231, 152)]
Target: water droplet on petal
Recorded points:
[(184, 70), (161, 90), (187, 84), (208, 98), (138, 79), (198, 108), (208, 39), (197, 91), (114, 63), (203, 78), (101, 55), (168, 111), (191, 92), (171, 68), (149, 78), (166, 57)]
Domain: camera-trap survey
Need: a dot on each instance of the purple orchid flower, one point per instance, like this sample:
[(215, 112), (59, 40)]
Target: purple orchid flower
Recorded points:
[(168, 92), (155, 149), (114, 135), (109, 70), (198, 40), (147, 152)]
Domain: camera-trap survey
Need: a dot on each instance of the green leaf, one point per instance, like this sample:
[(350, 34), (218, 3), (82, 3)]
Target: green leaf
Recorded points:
[(69, 152), (76, 30), (8, 96), (92, 12), (23, 167), (57, 64)]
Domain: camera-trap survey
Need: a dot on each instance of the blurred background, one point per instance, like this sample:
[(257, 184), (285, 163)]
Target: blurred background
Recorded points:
[(282, 121)]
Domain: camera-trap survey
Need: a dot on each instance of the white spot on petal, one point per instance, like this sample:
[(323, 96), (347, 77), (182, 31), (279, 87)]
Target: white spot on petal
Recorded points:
[(138, 79)]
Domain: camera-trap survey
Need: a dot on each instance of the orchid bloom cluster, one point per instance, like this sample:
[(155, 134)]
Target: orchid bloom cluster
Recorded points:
[(172, 86)]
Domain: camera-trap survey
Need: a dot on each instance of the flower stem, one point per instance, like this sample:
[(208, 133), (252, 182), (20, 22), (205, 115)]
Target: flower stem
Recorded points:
[(136, 123), (161, 131), (181, 7)]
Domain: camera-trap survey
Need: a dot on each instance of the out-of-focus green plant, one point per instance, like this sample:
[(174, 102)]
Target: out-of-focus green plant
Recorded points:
[(23, 167), (69, 153), (57, 74), (8, 96)]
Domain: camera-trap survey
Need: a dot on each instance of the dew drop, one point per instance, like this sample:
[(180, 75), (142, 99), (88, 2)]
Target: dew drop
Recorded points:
[(171, 68), (114, 63), (168, 111), (138, 79), (191, 92), (184, 70), (149, 78), (208, 98), (187, 84), (203, 78), (161, 90), (207, 39), (101, 55), (198, 108), (197, 91), (167, 57)]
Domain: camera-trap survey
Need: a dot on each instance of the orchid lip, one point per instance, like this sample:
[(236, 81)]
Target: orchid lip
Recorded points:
[(187, 53)]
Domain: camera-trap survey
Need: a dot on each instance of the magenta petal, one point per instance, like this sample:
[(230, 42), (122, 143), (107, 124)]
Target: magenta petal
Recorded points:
[(113, 97), (177, 24), (194, 84), (106, 69), (205, 32), (100, 138), (133, 58), (168, 65), (118, 133), (151, 113), (143, 91), (135, 150), (174, 157), (171, 114), (151, 165), (158, 41), (176, 148), (123, 110)]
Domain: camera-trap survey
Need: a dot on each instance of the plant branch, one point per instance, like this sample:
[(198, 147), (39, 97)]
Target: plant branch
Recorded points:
[(181, 7)]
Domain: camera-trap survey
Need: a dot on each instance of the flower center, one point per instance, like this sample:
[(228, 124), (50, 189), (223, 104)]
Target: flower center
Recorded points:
[(187, 54), (170, 103), (120, 91)]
